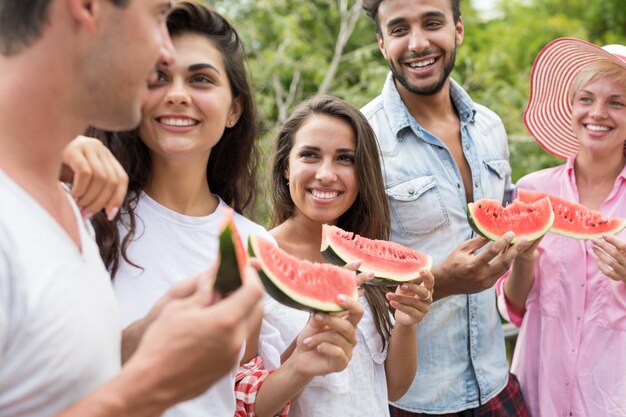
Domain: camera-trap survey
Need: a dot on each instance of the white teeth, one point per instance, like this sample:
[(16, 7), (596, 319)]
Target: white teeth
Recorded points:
[(597, 128), (173, 121), (422, 64), (325, 195)]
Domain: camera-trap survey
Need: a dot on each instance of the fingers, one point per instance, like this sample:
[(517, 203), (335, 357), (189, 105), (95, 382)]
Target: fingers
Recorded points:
[(330, 329), (353, 307), (99, 181), (364, 277), (611, 259), (353, 266), (107, 184), (241, 304), (473, 244), (497, 247)]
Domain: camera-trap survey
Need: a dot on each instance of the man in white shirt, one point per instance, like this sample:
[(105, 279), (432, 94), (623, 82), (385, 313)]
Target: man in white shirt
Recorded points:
[(67, 64)]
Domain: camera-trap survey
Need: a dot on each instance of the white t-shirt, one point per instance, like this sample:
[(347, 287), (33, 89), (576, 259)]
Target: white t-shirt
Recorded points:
[(358, 390), (170, 246), (59, 331)]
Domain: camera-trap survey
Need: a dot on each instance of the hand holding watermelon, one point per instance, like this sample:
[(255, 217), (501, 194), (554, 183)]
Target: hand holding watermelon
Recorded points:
[(326, 342), (468, 271), (412, 300), (611, 256)]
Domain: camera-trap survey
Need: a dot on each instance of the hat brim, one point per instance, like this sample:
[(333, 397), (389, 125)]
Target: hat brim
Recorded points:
[(549, 111)]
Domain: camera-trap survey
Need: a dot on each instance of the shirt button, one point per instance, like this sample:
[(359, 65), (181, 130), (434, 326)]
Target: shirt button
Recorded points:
[(467, 146), (573, 350), (567, 383), (411, 192), (582, 284), (577, 317), (458, 185)]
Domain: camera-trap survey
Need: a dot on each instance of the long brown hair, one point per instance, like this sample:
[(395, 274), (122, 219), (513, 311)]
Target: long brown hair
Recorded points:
[(233, 160), (369, 214)]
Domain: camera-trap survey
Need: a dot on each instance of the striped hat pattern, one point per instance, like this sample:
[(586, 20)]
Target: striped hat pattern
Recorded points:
[(549, 111)]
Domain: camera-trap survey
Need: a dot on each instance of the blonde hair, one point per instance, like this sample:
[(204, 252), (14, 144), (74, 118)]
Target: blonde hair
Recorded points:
[(602, 68)]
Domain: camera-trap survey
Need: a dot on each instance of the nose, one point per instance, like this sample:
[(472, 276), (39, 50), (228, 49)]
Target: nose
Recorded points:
[(326, 173), (598, 111), (177, 93), (418, 42), (166, 52)]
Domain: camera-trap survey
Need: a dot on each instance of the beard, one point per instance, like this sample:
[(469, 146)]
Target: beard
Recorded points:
[(427, 90)]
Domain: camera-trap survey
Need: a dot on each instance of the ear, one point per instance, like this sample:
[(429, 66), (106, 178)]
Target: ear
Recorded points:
[(236, 108), (460, 31), (381, 45), (85, 12)]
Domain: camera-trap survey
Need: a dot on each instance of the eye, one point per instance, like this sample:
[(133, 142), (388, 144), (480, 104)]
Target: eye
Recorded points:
[(398, 31), (307, 155), (346, 158), (617, 104), (585, 99), (161, 79), (433, 24), (201, 79)]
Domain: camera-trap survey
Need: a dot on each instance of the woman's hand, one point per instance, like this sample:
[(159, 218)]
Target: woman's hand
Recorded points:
[(412, 300), (610, 252), (98, 180), (326, 342)]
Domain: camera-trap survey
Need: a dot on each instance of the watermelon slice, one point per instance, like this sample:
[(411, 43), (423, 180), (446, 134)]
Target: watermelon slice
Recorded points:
[(527, 220), (233, 257), (390, 262), (299, 283), (575, 220)]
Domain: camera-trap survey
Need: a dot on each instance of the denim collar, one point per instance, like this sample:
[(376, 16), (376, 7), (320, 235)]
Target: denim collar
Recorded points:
[(400, 118)]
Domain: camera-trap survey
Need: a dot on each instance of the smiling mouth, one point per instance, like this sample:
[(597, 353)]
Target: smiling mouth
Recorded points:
[(597, 128), (177, 121), (425, 63), (325, 195)]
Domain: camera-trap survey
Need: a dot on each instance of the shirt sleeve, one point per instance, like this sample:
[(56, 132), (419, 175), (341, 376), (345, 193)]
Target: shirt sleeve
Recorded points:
[(248, 382), (503, 304)]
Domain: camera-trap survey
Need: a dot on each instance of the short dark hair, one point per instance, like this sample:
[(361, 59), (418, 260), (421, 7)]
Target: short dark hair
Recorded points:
[(371, 9), (22, 21)]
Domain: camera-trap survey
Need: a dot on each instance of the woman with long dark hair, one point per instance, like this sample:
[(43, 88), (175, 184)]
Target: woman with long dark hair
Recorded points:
[(326, 169)]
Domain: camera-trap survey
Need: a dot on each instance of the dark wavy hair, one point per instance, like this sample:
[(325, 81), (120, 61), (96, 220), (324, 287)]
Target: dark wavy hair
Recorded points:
[(369, 214), (371, 9), (233, 160)]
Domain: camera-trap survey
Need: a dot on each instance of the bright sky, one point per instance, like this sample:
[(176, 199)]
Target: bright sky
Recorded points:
[(484, 4)]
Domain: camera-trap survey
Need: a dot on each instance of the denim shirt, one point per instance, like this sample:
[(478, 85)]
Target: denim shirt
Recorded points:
[(461, 353)]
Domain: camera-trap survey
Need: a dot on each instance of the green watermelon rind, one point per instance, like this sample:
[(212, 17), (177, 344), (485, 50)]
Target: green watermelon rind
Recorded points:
[(228, 277), (483, 231), (580, 236), (334, 255), (283, 294)]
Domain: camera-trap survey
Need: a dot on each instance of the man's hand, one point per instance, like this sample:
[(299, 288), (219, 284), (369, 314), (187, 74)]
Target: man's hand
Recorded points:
[(195, 340), (98, 180), (466, 272)]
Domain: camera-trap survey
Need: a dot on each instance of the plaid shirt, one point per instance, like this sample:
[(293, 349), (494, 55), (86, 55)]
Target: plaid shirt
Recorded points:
[(248, 382)]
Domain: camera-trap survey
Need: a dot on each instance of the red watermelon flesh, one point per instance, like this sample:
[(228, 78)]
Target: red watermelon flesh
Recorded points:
[(527, 220), (389, 261), (299, 283), (575, 220)]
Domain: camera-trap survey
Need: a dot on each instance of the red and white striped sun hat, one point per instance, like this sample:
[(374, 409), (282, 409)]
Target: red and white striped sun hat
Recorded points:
[(549, 111)]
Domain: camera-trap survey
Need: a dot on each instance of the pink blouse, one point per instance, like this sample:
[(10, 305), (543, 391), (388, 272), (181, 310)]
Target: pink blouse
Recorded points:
[(570, 356)]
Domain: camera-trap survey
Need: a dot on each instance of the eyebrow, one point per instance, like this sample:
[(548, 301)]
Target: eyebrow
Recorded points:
[(582, 90), (399, 20), (315, 148), (201, 66)]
